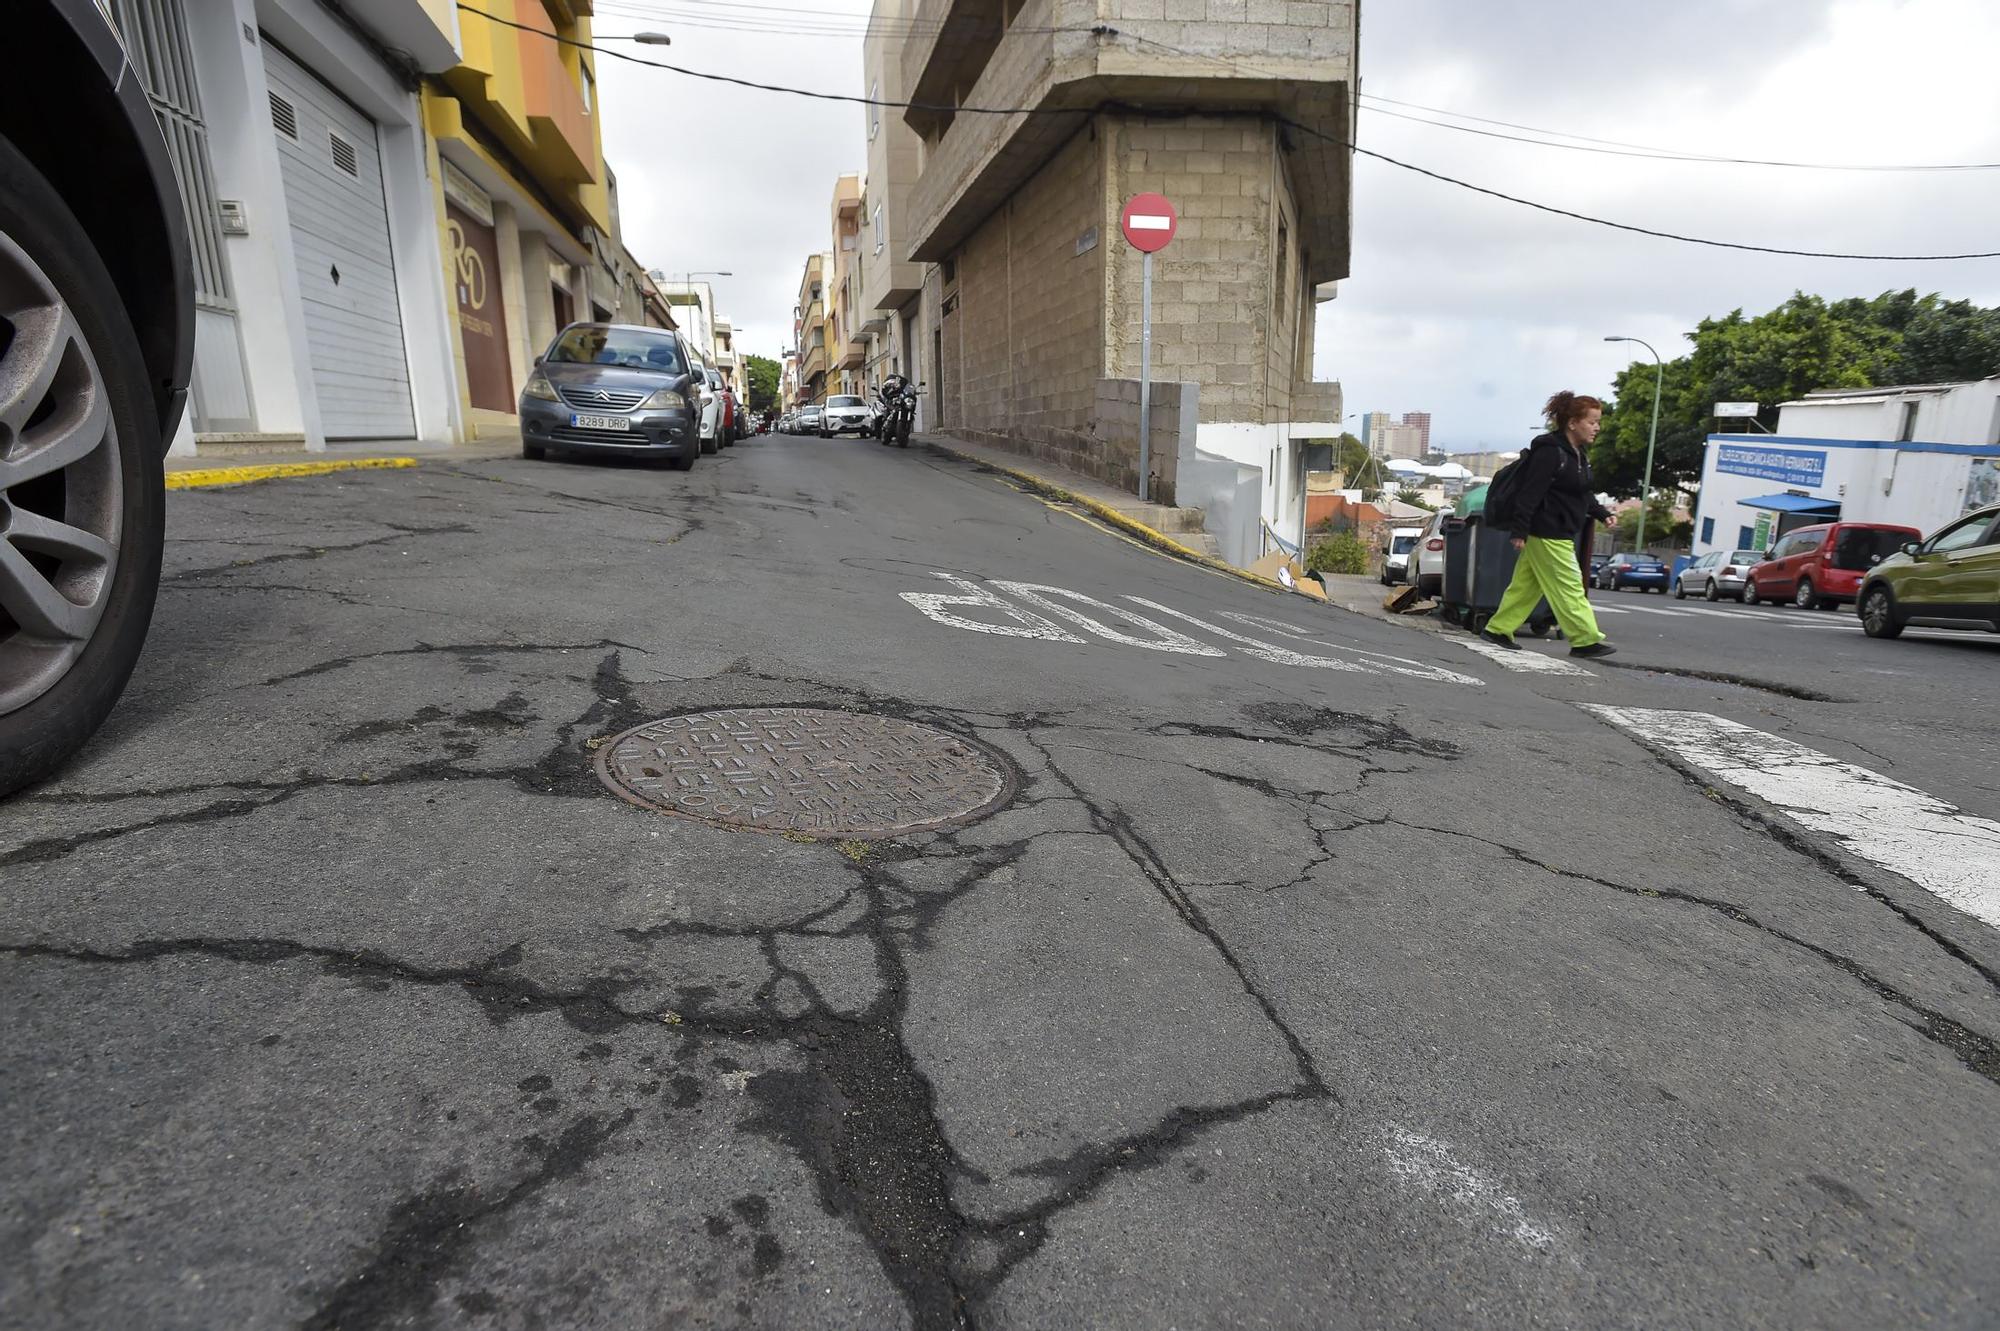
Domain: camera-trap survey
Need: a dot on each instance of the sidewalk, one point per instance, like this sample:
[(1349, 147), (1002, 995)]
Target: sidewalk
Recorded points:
[(1181, 526)]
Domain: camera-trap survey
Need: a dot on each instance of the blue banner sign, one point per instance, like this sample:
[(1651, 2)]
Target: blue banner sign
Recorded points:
[(1785, 466)]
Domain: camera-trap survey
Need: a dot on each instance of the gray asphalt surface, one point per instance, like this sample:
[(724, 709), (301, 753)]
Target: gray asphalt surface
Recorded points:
[(1392, 992)]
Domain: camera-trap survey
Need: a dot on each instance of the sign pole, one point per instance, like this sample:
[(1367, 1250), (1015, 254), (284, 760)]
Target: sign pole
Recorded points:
[(1146, 382)]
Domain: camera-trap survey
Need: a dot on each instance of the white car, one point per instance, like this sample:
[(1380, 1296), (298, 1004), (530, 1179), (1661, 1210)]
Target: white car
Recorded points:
[(843, 414), (1396, 555), (1426, 557), (710, 389)]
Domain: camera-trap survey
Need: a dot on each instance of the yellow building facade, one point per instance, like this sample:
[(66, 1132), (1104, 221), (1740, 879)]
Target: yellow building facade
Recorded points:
[(524, 201)]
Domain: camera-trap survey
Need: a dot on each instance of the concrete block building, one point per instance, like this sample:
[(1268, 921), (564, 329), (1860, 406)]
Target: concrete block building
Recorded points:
[(1238, 112)]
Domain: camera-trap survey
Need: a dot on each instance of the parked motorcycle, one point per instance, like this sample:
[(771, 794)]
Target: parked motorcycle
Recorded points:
[(897, 415)]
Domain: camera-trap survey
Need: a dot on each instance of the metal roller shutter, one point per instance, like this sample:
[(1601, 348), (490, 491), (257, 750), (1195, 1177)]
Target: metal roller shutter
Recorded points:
[(332, 171)]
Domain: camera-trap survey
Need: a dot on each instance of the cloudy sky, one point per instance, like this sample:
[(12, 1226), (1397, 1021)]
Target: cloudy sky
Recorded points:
[(1468, 307)]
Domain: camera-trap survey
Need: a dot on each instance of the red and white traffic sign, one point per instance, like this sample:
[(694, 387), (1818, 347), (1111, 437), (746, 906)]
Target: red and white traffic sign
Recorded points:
[(1149, 222)]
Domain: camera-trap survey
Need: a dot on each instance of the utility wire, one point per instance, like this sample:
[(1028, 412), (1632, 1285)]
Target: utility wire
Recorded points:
[(1308, 130), (1610, 147)]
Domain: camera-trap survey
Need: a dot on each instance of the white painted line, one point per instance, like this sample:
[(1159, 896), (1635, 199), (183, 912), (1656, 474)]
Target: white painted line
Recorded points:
[(1430, 1166), (1609, 609), (1150, 222), (1950, 853), (1524, 661), (1657, 610)]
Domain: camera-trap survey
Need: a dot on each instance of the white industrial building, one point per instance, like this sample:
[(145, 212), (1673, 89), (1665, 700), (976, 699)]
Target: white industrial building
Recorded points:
[(1916, 456)]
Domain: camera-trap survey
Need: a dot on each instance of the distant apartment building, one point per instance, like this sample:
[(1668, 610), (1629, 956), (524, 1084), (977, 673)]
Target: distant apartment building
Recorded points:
[(1484, 464), (893, 287), (1408, 438), (1396, 441), (846, 349), (1029, 331), (809, 328)]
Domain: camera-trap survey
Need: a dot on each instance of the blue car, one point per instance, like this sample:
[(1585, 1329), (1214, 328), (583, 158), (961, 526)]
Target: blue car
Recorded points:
[(1642, 571)]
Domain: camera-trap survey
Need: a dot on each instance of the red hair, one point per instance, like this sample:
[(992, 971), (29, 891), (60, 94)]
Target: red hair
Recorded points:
[(1566, 406)]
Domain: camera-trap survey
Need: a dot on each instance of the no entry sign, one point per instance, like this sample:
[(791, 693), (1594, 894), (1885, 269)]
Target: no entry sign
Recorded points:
[(1149, 222)]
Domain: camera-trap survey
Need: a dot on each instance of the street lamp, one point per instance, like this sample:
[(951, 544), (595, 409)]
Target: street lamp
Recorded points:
[(652, 39), (1646, 493)]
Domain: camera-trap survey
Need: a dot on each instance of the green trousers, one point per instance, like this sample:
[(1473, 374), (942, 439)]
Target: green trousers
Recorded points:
[(1547, 570)]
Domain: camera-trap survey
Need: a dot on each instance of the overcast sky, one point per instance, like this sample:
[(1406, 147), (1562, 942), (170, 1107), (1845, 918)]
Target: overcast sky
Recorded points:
[(1469, 307)]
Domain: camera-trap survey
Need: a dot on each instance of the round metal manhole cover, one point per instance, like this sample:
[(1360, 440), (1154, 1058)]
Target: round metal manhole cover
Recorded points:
[(805, 769)]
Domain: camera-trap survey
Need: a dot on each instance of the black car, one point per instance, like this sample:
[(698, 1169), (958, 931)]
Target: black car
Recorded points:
[(613, 389), (96, 353)]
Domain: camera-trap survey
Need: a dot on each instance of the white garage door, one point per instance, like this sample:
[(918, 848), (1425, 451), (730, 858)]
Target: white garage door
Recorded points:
[(340, 239)]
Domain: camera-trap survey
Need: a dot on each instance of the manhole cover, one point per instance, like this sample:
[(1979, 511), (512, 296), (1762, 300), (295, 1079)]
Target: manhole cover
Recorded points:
[(803, 769)]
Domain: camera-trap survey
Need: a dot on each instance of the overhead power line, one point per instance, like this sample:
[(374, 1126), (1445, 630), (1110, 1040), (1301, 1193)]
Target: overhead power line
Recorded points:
[(1291, 124)]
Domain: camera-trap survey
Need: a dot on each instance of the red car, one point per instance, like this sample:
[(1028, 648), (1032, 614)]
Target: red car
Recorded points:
[(1818, 568)]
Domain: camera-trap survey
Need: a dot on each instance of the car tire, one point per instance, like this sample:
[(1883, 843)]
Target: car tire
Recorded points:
[(1878, 613), (1805, 598), (1710, 593), (533, 452), (51, 703), (685, 462), (708, 447), (1680, 590), (1750, 591)]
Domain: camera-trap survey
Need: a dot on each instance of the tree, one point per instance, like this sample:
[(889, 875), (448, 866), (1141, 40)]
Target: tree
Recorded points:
[(1804, 344), (763, 382)]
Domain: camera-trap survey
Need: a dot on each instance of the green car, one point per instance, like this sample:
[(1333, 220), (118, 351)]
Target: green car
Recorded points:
[(1950, 581)]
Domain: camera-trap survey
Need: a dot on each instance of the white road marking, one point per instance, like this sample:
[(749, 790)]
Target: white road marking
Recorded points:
[(1428, 1165), (1268, 651), (1950, 853), (1402, 665), (1524, 661), (1659, 610), (972, 595), (1609, 609), (1161, 639)]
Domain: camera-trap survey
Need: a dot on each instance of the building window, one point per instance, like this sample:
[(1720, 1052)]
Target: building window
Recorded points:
[(1708, 531), (1908, 432), (1282, 270), (949, 268), (874, 111), (877, 221), (586, 86), (1746, 538)]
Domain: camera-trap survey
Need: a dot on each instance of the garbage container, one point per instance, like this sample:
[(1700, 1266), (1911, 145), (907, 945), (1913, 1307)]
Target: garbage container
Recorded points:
[(1491, 567), (1457, 565)]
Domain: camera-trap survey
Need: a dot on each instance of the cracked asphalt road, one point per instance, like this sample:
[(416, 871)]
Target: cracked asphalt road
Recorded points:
[(1325, 975)]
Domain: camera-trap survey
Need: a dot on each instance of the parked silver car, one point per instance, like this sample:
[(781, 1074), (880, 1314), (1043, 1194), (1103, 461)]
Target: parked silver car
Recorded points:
[(1396, 554), (1717, 574), (612, 389)]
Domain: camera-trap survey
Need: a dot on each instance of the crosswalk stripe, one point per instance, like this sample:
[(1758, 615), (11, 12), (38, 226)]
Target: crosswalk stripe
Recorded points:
[(1524, 661), (1948, 852), (1656, 610)]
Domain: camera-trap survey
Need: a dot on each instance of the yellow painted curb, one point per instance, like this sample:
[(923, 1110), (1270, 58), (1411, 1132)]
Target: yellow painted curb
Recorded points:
[(271, 471), (1159, 540)]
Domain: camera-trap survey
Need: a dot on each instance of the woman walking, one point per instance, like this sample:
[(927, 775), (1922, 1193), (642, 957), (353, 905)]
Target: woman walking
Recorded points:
[(1552, 502)]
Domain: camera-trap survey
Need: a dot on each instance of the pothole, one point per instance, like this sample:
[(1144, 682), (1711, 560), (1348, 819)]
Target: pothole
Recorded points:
[(806, 769)]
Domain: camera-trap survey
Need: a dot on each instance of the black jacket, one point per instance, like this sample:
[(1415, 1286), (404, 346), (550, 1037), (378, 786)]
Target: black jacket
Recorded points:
[(1554, 497)]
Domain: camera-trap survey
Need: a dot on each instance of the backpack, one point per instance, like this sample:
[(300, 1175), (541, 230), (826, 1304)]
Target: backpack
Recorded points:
[(1500, 494)]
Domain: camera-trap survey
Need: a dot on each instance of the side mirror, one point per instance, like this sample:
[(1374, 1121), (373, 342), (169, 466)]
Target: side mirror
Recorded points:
[(1765, 555), (538, 362), (1911, 547)]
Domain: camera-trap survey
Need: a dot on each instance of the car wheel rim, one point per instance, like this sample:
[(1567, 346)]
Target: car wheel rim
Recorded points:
[(1878, 611), (61, 506)]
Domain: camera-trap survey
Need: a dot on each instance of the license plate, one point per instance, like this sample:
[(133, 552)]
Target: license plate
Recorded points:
[(600, 422)]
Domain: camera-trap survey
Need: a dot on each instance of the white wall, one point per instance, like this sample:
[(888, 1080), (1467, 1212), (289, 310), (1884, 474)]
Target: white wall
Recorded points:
[(228, 38), (1916, 487)]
